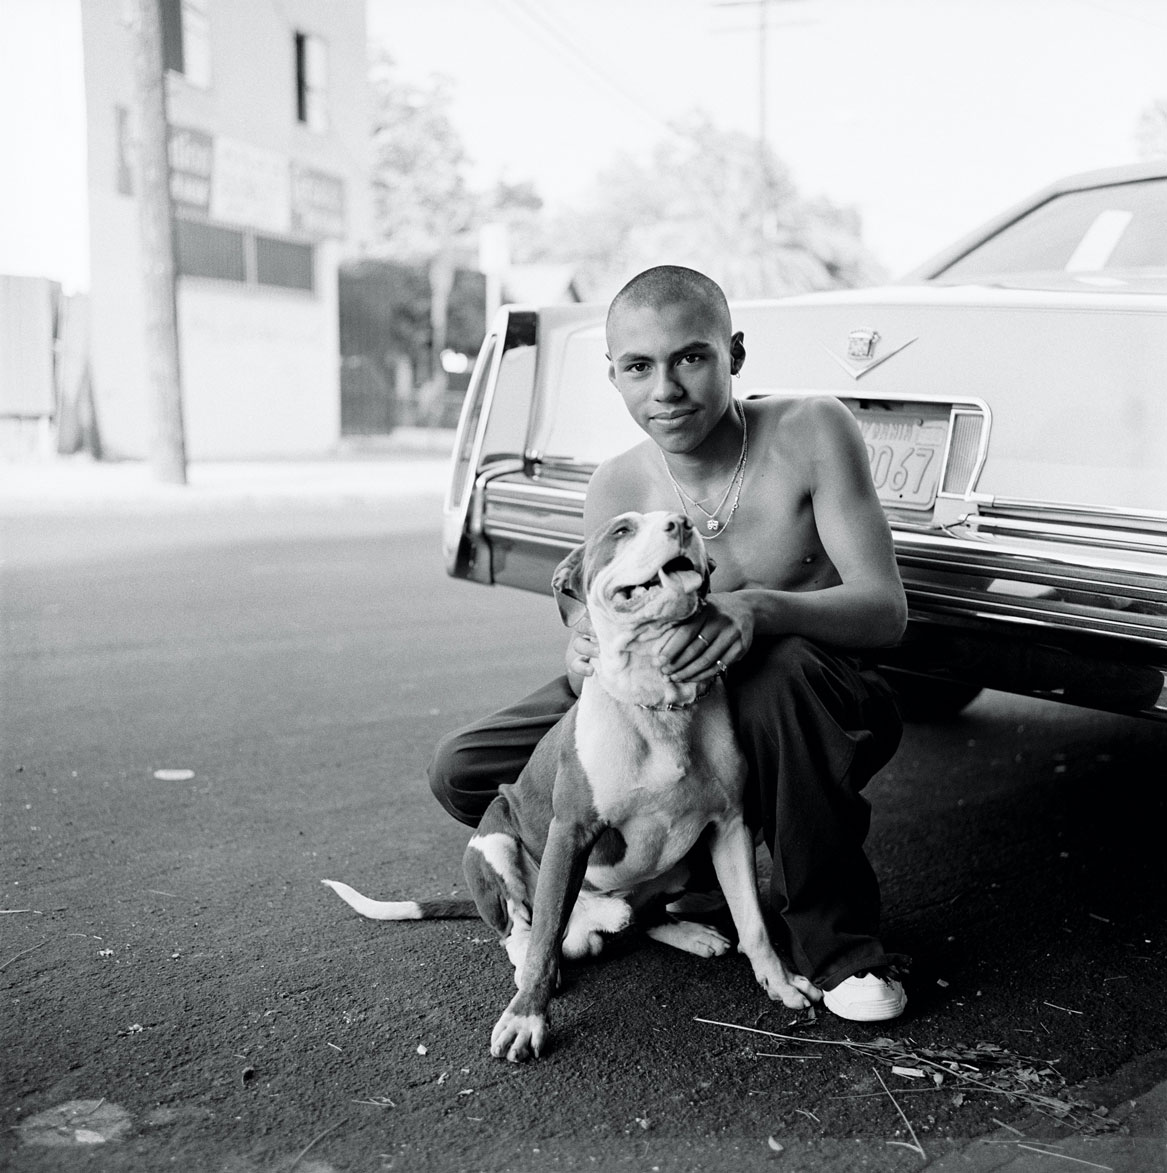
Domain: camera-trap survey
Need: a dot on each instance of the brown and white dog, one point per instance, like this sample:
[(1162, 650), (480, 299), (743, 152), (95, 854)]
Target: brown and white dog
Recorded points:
[(597, 827)]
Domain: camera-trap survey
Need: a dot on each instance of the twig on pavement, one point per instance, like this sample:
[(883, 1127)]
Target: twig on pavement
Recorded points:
[(23, 953), (301, 1154), (1064, 1156), (916, 1146)]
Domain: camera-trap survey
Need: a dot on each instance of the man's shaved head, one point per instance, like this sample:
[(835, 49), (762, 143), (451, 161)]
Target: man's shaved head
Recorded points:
[(667, 285)]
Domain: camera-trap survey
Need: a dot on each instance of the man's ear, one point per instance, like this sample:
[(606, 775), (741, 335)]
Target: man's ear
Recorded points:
[(737, 353), (567, 583)]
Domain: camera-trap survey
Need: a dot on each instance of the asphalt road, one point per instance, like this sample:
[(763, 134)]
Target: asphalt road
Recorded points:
[(182, 992)]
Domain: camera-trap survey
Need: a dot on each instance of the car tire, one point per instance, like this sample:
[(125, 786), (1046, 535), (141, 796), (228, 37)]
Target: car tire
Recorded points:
[(927, 698)]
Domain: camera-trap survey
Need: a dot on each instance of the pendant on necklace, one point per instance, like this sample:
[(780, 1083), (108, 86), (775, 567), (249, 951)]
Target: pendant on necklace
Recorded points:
[(713, 525)]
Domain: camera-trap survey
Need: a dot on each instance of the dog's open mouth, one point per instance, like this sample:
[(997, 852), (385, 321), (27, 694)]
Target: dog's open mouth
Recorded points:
[(678, 574)]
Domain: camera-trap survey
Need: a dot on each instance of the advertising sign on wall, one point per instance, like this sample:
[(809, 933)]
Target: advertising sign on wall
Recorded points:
[(250, 186), (191, 154)]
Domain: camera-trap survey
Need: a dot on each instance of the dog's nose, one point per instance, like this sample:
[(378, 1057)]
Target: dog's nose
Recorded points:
[(678, 525)]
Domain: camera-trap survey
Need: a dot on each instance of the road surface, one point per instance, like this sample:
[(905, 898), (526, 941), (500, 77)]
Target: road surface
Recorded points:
[(207, 712)]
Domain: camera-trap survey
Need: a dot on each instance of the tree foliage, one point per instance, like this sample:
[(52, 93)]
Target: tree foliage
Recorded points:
[(703, 197), (713, 200), (1151, 131), (422, 200)]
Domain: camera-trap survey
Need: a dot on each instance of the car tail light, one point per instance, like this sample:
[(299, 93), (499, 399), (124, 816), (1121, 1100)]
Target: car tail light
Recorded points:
[(964, 451)]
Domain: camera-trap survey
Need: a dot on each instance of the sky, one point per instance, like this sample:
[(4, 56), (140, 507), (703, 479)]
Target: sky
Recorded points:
[(43, 211), (927, 116)]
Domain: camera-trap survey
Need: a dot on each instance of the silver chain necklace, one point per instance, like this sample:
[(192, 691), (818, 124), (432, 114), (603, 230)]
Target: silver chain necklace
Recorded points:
[(714, 527)]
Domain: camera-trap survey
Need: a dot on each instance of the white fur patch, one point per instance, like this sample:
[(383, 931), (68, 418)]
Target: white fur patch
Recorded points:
[(595, 915), (501, 854)]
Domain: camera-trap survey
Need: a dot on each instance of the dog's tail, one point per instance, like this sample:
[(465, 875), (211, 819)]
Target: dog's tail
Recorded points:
[(404, 909)]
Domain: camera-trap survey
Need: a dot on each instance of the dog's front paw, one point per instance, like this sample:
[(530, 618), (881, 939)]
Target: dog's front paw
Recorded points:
[(518, 1037)]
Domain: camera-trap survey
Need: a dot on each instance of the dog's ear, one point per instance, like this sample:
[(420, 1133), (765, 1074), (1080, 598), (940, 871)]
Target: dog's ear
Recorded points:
[(567, 583), (710, 567)]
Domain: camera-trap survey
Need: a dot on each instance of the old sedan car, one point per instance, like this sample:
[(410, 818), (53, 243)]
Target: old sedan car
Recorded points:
[(1013, 395)]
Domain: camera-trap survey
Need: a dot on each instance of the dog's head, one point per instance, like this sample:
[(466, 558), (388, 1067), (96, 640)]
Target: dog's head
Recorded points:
[(641, 569)]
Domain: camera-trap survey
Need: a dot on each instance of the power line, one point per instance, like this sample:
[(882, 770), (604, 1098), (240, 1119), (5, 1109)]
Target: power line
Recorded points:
[(561, 43)]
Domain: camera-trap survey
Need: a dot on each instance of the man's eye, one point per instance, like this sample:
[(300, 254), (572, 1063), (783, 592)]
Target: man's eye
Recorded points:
[(637, 368), (690, 359)]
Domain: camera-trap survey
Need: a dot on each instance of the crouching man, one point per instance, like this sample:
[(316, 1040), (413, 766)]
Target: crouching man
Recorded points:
[(805, 580)]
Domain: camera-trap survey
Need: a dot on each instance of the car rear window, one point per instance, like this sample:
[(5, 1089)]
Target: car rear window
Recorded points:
[(1118, 230)]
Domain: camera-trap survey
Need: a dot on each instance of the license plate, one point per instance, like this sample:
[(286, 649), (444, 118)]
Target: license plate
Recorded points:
[(905, 453)]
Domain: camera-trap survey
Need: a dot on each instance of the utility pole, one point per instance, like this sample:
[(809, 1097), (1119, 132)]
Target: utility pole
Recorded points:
[(763, 184), (765, 177), (156, 224)]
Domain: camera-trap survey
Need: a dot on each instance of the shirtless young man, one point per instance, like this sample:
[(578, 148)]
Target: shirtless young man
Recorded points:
[(805, 576)]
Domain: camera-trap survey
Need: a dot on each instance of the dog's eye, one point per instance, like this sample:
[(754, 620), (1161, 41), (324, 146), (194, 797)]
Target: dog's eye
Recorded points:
[(621, 530)]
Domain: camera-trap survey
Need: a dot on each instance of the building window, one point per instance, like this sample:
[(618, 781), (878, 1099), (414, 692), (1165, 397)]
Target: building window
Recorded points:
[(242, 256), (311, 82), (186, 40), (283, 262), (206, 250)]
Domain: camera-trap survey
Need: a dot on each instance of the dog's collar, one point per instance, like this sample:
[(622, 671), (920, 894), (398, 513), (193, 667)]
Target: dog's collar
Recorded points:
[(670, 705)]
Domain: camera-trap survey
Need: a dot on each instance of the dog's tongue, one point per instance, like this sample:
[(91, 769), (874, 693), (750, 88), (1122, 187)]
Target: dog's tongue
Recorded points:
[(681, 581)]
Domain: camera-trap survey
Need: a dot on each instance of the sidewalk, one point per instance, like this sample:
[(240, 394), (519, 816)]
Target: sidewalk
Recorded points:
[(412, 464)]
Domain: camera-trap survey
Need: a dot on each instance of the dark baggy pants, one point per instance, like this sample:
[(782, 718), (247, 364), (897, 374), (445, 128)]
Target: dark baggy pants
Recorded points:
[(814, 728)]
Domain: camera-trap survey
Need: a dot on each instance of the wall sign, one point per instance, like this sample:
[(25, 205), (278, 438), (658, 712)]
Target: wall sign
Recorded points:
[(250, 186), (317, 202)]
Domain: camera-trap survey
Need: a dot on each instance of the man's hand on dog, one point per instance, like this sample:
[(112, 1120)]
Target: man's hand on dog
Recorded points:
[(718, 635), (582, 650)]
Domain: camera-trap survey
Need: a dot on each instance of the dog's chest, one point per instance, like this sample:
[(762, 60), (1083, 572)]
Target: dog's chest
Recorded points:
[(658, 779)]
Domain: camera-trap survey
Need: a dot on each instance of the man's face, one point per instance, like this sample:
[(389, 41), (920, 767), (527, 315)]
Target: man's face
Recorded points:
[(672, 366)]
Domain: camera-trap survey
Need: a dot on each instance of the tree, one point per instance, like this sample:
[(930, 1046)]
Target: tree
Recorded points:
[(421, 199), (711, 199), (422, 203), (156, 218)]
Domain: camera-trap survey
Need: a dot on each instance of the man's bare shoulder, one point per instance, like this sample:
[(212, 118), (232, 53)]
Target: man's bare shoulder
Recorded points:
[(799, 420), (807, 432)]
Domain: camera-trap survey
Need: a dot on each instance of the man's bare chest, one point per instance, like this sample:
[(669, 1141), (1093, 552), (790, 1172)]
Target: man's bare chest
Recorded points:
[(766, 537)]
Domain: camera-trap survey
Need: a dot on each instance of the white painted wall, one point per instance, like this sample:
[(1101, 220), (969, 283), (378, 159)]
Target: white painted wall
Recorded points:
[(264, 361)]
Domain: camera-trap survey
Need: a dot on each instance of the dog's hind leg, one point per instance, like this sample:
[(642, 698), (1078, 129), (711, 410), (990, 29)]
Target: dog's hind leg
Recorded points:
[(691, 937), (496, 873)]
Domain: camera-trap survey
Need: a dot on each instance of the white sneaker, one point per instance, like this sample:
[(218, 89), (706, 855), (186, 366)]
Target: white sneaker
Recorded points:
[(866, 997)]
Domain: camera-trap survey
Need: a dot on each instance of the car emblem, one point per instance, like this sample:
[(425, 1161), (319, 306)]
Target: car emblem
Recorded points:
[(861, 355), (861, 344)]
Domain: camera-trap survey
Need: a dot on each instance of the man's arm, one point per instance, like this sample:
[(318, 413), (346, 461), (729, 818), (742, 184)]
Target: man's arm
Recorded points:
[(867, 608)]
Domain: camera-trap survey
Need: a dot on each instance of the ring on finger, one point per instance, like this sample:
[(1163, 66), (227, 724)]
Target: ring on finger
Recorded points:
[(721, 667), (702, 639)]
